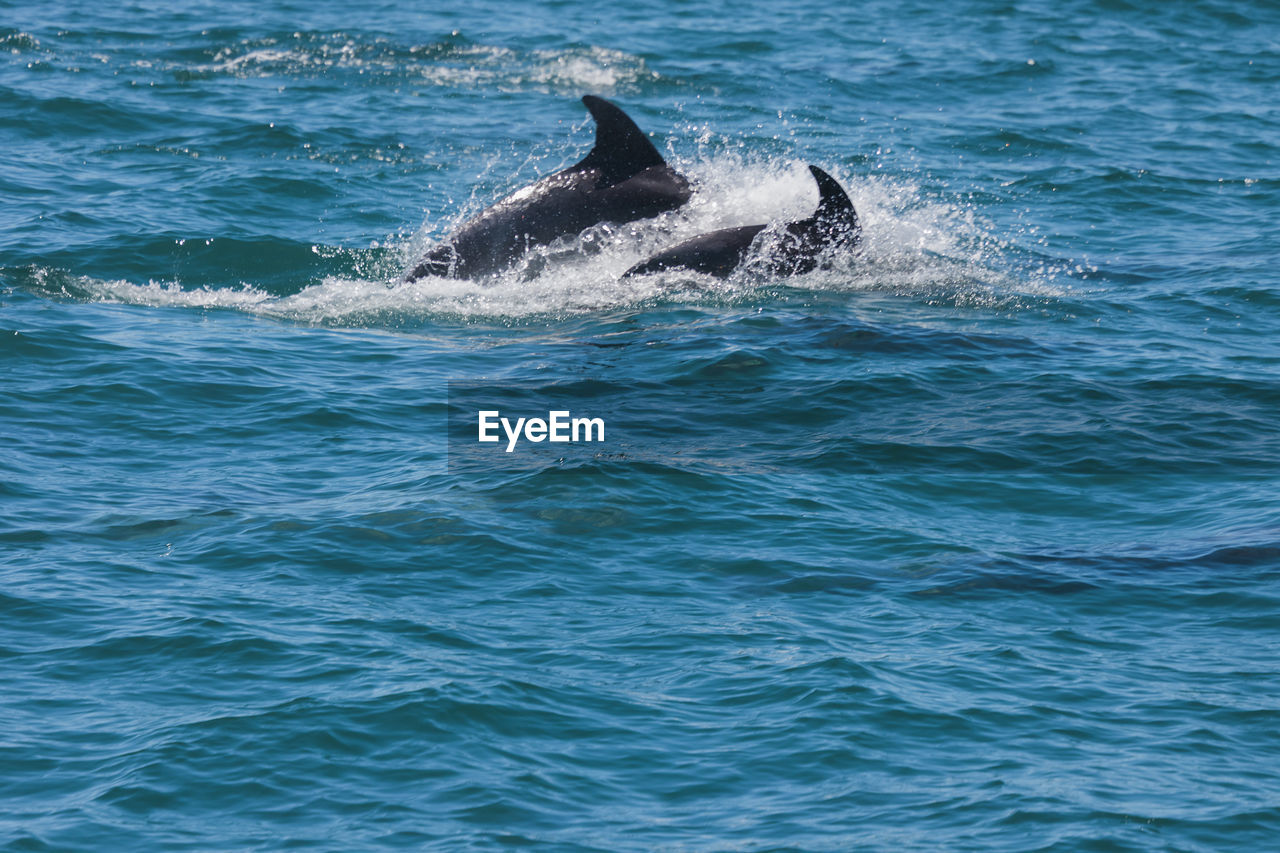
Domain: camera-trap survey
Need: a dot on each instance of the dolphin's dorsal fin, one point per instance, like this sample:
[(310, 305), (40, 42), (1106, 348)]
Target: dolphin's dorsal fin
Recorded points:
[(622, 149), (834, 207)]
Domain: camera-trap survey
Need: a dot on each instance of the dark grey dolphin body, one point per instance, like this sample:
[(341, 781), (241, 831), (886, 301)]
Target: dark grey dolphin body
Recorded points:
[(834, 225), (622, 179)]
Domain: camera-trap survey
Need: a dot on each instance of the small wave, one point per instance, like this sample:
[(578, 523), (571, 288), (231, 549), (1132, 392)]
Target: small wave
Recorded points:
[(17, 41), (453, 63)]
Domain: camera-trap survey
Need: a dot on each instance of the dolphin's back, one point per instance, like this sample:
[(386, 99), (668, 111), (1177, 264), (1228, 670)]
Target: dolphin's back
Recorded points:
[(622, 179), (557, 205), (716, 253)]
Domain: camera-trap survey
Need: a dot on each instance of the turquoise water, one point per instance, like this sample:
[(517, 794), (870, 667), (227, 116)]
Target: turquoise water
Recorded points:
[(971, 542)]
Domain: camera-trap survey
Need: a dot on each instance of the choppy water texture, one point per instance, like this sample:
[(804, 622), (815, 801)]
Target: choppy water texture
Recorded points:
[(969, 543)]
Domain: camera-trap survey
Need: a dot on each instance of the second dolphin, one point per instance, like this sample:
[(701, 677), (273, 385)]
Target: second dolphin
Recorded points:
[(834, 225)]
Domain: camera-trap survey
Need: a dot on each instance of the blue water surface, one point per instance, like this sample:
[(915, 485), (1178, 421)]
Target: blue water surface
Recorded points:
[(970, 541)]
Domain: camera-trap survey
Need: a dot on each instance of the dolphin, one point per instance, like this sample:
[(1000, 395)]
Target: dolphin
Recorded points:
[(834, 225), (622, 179)]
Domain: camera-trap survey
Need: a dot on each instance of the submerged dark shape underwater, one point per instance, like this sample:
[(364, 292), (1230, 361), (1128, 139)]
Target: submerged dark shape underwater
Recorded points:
[(622, 179), (833, 225)]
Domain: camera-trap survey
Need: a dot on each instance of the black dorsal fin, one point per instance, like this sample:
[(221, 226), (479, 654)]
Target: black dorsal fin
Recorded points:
[(622, 149), (834, 207)]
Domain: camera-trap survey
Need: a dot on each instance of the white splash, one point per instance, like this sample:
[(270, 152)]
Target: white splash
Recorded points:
[(912, 245)]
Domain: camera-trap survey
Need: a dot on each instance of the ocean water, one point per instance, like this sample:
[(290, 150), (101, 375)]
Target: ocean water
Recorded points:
[(970, 541)]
